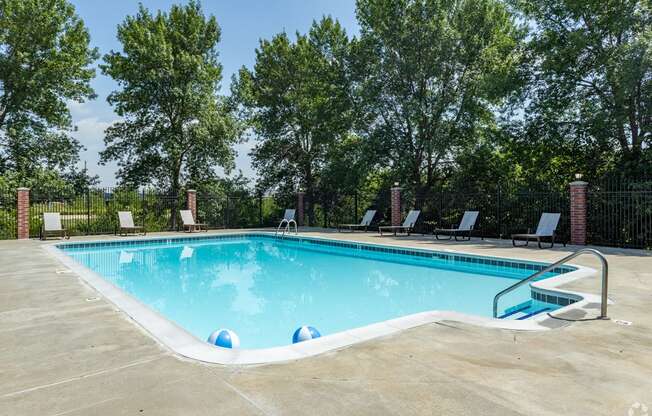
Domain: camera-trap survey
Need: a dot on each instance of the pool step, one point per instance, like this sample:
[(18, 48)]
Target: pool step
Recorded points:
[(521, 307), (525, 310), (531, 314)]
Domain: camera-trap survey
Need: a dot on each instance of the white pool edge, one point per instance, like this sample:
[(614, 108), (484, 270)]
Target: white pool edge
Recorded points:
[(181, 342)]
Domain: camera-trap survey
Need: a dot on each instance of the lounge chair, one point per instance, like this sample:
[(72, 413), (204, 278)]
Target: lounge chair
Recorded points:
[(52, 226), (365, 223), (546, 229), (288, 219), (127, 224), (408, 224), (466, 226), (189, 223)]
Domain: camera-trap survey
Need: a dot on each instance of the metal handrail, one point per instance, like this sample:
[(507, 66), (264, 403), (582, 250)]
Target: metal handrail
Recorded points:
[(287, 227), (605, 279)]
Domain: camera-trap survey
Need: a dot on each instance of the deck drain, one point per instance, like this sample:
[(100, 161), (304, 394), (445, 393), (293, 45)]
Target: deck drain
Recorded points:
[(92, 299), (622, 322)]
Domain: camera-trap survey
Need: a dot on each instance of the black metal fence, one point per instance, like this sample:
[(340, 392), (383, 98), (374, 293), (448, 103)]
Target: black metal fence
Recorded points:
[(7, 214), (620, 213), (505, 210), (619, 210), (244, 211), (95, 210)]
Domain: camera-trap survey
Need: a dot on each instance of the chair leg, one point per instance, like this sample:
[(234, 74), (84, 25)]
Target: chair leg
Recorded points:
[(527, 242), (552, 244), (468, 238)]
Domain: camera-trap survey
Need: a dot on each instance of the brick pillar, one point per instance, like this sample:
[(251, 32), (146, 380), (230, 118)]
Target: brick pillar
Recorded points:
[(396, 205), (22, 213), (578, 205), (300, 208), (191, 202)]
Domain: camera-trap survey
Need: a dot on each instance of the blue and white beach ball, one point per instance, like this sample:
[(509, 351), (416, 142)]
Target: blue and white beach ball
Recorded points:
[(224, 338), (305, 333)]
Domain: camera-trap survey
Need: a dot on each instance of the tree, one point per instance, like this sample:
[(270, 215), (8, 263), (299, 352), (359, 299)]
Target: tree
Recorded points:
[(175, 128), (430, 74), (297, 101), (45, 61), (593, 75)]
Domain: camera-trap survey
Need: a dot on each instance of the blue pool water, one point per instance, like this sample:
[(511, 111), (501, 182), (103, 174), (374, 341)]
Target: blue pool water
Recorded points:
[(263, 288)]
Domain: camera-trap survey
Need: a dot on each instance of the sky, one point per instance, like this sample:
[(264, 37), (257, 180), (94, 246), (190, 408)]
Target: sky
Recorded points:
[(243, 23)]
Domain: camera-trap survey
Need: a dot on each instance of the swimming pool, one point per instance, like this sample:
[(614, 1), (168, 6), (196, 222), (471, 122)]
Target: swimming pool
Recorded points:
[(264, 288)]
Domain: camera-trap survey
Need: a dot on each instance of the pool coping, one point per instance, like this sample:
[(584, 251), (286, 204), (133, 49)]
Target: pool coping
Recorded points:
[(181, 342)]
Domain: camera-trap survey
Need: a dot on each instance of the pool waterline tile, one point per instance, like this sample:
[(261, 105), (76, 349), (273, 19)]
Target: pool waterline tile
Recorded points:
[(448, 257)]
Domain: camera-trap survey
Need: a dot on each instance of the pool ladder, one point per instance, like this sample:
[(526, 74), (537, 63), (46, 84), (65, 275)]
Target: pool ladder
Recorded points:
[(605, 279), (286, 229)]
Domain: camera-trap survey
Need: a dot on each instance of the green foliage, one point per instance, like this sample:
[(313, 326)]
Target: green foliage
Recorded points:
[(297, 101), (45, 61), (40, 182), (592, 76), (175, 127), (431, 74)]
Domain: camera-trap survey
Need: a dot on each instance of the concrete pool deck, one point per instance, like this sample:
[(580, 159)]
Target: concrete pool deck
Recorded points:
[(66, 351)]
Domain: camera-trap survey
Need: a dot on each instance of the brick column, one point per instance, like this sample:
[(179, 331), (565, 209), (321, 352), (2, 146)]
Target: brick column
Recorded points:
[(396, 205), (578, 205), (191, 202), (22, 213), (300, 208)]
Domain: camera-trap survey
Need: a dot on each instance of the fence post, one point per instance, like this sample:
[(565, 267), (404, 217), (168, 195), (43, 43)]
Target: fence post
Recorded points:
[(499, 213), (22, 213), (227, 212), (396, 204), (578, 211), (260, 209), (300, 196), (355, 206), (88, 211), (142, 206), (191, 202)]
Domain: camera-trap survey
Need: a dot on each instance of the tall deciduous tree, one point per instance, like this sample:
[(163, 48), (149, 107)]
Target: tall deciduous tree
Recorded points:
[(175, 127), (431, 72), (45, 61), (593, 77), (297, 100)]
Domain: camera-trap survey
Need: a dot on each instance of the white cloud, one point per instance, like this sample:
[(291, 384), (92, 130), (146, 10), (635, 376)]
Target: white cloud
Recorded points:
[(90, 133), (79, 110)]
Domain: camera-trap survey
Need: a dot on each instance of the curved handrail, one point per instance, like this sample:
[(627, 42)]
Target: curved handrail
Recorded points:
[(296, 230), (605, 279), (283, 221), (287, 223)]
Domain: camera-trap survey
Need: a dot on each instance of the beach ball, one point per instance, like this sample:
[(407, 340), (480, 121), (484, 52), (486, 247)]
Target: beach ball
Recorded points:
[(305, 333), (224, 338)]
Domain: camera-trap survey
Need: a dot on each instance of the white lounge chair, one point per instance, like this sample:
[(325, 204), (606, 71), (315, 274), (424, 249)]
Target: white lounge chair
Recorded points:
[(288, 219), (546, 229), (127, 224), (466, 226), (408, 224), (365, 223), (52, 226), (189, 223)]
